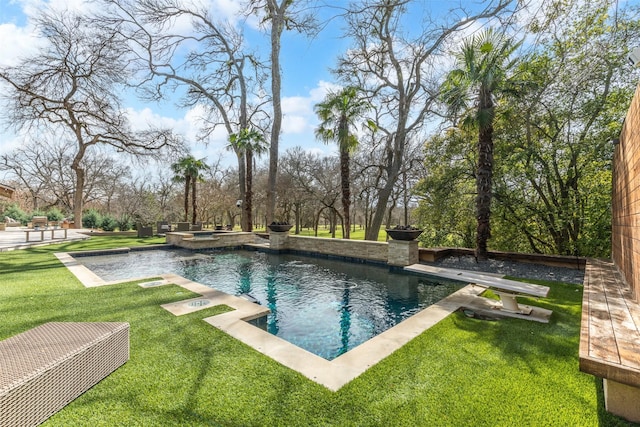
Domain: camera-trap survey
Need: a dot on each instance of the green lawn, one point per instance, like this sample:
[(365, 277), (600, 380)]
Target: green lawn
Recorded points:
[(184, 372)]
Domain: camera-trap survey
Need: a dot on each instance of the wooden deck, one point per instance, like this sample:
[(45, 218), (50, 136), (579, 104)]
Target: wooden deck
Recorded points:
[(610, 331)]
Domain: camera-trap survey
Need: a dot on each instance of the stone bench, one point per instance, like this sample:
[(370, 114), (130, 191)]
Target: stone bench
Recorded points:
[(45, 368), (610, 337), (51, 231)]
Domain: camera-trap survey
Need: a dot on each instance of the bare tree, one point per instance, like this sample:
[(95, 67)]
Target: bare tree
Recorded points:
[(69, 89), (396, 69), (218, 72), (281, 14), (319, 178), (43, 168), (29, 166)]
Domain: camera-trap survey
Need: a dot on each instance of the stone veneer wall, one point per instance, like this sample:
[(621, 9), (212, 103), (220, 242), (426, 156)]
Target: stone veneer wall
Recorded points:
[(217, 240), (625, 207), (373, 251), (396, 253)]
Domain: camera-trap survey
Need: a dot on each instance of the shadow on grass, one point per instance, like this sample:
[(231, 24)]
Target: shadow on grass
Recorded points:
[(524, 339), (123, 302)]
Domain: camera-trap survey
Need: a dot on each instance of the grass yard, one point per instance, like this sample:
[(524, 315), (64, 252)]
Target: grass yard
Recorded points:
[(183, 372)]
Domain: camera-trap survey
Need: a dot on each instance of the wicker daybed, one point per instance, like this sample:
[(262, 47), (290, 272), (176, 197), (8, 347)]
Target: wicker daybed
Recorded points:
[(45, 368)]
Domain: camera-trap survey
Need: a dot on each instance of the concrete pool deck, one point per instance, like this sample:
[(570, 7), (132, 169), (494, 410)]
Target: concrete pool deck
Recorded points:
[(332, 374), (14, 238)]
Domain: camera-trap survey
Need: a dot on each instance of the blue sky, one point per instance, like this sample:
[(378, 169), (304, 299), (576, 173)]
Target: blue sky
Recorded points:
[(305, 64), (306, 76)]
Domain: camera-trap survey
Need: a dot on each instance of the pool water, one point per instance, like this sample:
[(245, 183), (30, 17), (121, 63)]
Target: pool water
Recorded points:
[(324, 306)]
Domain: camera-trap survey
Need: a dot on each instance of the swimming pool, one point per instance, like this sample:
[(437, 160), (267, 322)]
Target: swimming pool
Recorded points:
[(324, 306)]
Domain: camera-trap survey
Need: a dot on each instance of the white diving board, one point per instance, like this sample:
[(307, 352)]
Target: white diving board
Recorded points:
[(507, 289)]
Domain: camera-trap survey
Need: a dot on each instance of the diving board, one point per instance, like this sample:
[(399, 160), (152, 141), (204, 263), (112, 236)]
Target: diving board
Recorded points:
[(506, 289)]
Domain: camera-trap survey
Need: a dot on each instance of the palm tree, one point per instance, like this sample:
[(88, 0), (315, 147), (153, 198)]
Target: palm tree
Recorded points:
[(472, 89), (189, 170), (338, 114), (247, 142)]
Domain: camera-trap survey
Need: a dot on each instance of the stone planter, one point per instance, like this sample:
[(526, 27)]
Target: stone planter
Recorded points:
[(404, 234), (280, 227)]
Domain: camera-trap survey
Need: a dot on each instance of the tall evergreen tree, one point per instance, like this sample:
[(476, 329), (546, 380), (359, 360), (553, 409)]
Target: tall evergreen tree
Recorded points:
[(189, 170), (338, 114), (246, 143), (472, 89)]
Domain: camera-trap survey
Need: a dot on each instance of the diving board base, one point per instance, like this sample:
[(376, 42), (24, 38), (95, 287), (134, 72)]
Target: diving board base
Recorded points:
[(510, 304), (493, 308)]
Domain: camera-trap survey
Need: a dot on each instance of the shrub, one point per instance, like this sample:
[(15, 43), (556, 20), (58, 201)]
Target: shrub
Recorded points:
[(54, 214), (125, 223), (109, 223), (13, 211), (92, 219)]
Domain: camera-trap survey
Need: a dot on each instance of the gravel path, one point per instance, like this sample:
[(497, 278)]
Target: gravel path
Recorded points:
[(515, 269)]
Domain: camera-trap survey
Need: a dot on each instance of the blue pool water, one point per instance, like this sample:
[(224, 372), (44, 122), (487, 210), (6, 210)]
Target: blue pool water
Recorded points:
[(324, 306)]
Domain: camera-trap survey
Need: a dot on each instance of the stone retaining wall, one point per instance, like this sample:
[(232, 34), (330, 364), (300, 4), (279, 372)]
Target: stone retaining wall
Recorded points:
[(188, 240), (371, 251)]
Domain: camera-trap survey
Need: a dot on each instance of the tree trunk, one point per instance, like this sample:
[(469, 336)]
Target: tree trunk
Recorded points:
[(78, 199), (245, 218), (332, 222), (77, 196), (346, 192), (384, 194), (296, 212), (395, 151), (483, 187), (277, 25), (187, 182), (248, 199), (194, 201)]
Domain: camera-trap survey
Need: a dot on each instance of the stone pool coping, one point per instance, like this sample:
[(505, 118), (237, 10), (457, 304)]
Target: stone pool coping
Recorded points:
[(332, 374)]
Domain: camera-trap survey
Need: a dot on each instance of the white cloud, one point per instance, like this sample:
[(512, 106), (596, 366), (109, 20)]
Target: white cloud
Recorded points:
[(295, 124), (10, 142), (320, 92), (298, 114), (219, 11), (32, 8), (17, 42), (297, 105), (188, 126)]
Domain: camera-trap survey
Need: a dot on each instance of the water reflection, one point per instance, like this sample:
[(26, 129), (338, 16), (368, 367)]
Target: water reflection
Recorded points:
[(272, 304), (345, 319)]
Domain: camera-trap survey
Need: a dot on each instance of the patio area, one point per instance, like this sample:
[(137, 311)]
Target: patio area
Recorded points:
[(16, 238)]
